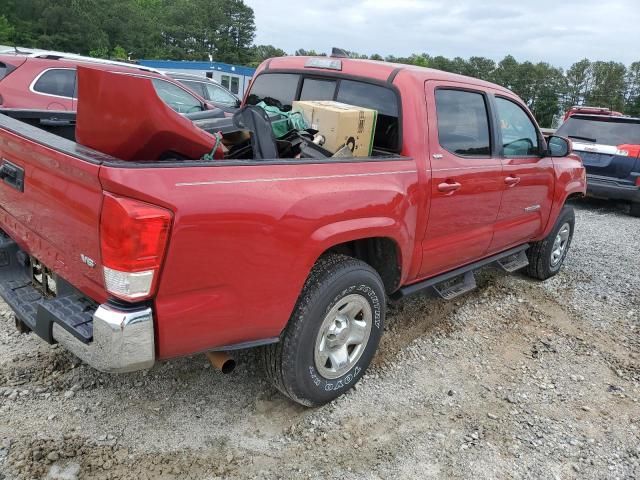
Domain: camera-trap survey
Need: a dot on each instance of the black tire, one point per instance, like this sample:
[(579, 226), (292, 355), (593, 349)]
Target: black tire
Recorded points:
[(290, 364), (540, 253), (635, 209)]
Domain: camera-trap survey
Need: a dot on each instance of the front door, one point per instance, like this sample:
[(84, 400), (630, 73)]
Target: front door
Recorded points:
[(467, 180), (528, 178)]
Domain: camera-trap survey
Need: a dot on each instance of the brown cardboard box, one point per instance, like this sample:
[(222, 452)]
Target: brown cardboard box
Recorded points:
[(341, 124)]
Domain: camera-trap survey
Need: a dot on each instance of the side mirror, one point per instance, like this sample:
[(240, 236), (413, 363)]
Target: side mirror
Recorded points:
[(238, 103), (558, 146)]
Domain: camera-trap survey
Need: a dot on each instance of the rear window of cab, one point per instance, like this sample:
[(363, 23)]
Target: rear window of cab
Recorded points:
[(281, 89)]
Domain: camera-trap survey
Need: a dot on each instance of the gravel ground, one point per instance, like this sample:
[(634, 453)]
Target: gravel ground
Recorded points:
[(518, 379)]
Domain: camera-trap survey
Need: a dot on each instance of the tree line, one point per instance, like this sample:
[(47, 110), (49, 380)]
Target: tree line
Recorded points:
[(224, 30)]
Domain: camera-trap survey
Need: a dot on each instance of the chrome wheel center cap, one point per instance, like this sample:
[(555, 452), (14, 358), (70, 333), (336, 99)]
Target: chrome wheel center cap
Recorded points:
[(343, 336)]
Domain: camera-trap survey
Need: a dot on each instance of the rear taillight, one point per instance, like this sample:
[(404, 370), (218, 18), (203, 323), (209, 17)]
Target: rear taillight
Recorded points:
[(637, 181), (133, 239)]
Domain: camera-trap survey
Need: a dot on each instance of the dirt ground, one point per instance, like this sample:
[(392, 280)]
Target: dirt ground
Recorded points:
[(518, 379)]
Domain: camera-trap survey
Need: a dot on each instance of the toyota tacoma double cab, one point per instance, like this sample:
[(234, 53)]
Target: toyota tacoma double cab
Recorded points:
[(125, 262)]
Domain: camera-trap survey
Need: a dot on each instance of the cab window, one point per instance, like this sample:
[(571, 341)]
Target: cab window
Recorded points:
[(519, 134), (318, 89), (274, 89), (463, 123), (280, 90)]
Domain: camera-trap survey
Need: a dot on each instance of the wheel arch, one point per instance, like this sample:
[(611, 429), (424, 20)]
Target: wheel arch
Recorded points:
[(377, 242)]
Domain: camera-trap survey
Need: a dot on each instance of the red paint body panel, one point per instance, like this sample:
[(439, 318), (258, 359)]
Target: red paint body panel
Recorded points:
[(123, 116), (245, 237)]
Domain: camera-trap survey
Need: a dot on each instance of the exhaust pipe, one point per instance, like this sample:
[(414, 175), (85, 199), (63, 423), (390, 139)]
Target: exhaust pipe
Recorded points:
[(21, 326), (221, 361)]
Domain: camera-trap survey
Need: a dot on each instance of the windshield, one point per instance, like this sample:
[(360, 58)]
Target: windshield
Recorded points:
[(603, 131)]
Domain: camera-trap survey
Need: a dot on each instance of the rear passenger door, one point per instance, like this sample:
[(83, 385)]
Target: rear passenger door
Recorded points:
[(528, 177), (467, 180)]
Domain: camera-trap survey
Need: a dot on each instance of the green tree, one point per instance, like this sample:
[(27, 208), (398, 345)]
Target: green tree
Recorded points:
[(632, 94), (609, 87), (301, 52), (119, 53), (578, 83), (6, 30), (260, 53)]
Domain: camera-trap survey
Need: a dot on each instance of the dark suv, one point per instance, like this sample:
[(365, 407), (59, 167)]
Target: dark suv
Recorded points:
[(610, 150)]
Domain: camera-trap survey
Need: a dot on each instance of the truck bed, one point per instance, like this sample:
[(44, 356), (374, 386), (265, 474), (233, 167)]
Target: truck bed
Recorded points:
[(246, 218)]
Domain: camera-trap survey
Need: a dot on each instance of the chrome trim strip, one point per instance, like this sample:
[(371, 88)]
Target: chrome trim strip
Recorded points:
[(464, 168), (288, 179), (594, 148)]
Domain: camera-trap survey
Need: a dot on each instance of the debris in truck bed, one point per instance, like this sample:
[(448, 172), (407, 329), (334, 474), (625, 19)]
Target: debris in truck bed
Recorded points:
[(341, 124)]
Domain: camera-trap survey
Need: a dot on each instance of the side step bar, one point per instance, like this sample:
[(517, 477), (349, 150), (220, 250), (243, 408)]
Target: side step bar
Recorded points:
[(462, 280), (514, 262)]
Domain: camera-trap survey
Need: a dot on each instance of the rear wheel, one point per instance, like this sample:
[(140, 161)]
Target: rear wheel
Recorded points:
[(635, 209), (332, 335), (547, 256)]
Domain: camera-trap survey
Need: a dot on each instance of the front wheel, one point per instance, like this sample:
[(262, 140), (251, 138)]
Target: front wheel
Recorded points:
[(547, 256), (333, 332)]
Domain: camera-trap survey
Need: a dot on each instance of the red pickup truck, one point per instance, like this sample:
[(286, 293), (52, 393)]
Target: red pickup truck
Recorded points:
[(129, 262)]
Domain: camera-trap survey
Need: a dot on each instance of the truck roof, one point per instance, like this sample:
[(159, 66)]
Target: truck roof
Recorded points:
[(374, 69)]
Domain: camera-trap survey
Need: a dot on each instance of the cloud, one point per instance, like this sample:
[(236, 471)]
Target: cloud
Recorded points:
[(536, 30)]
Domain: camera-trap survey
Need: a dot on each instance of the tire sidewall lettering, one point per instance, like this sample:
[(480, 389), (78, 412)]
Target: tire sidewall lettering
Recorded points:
[(352, 375)]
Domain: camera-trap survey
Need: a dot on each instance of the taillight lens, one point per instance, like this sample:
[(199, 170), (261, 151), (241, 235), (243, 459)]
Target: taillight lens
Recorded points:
[(133, 239)]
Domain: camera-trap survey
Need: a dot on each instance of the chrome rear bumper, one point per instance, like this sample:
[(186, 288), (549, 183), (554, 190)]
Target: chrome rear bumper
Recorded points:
[(123, 340)]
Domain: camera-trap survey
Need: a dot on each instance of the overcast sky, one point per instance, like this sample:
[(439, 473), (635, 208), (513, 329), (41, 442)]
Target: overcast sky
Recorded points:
[(557, 31)]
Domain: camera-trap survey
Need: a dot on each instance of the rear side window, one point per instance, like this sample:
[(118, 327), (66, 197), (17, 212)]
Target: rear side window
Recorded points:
[(177, 98), (519, 134), (58, 82), (463, 123), (220, 95), (197, 87), (5, 69)]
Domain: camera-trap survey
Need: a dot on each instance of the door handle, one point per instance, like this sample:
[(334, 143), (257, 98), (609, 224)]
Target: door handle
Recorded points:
[(12, 175), (512, 181), (449, 187)]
